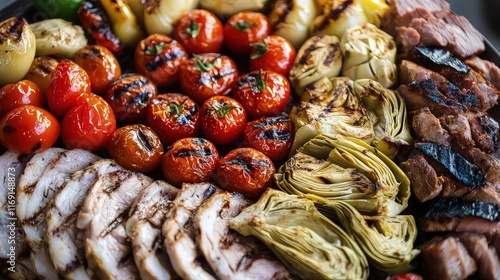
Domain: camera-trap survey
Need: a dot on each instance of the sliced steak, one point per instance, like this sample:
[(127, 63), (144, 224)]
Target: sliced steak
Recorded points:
[(485, 132), (459, 129), (103, 216), (425, 183), (179, 232), (447, 259), (62, 236), (427, 128), (146, 217), (488, 264), (410, 71), (231, 255), (486, 69)]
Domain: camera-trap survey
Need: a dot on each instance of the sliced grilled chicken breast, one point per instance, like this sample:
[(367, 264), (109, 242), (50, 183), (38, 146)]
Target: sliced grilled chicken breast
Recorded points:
[(147, 215), (32, 203), (12, 165), (62, 236), (103, 216), (231, 255), (179, 234)]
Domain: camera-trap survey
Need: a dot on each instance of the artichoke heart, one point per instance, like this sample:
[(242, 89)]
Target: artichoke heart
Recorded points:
[(319, 57), (369, 53), (388, 242), (330, 106), (338, 16), (387, 111), (306, 241), (336, 167), (226, 8)]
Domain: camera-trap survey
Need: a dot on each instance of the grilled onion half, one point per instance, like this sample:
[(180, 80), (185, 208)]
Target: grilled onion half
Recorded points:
[(307, 242)]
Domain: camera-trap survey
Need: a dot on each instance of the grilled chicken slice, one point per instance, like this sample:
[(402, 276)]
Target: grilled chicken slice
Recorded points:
[(231, 255), (103, 216), (146, 217), (62, 234), (180, 236), (12, 165), (32, 203)]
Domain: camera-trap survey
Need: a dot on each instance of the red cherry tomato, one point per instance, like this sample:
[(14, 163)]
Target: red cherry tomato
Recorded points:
[(159, 57), (89, 125), (190, 160), (243, 29), (29, 129), (173, 116), (273, 53), (24, 92), (200, 31), (262, 93), (271, 135), (406, 276), (67, 82), (222, 120), (247, 171), (207, 75)]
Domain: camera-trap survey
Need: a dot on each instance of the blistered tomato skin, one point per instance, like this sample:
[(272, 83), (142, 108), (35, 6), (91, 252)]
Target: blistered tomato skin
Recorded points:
[(159, 57), (243, 29), (136, 147), (207, 75), (173, 116), (200, 31), (273, 53), (129, 97), (190, 160), (247, 171), (272, 135), (29, 129), (262, 93), (222, 120), (67, 83), (89, 125), (24, 92), (101, 66)]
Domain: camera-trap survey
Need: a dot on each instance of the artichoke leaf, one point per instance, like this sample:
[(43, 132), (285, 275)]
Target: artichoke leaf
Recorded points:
[(306, 241), (331, 22), (388, 242)]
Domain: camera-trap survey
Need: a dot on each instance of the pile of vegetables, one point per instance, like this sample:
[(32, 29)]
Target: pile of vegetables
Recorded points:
[(208, 100)]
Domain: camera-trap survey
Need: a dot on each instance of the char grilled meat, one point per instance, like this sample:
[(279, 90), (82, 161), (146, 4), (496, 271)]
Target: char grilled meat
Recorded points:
[(485, 132), (427, 128), (486, 69)]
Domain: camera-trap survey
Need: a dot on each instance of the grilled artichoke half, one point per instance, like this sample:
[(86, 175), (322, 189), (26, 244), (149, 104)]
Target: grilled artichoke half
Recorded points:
[(307, 242), (388, 242), (318, 57), (369, 53), (387, 111), (330, 105), (338, 16), (346, 168)]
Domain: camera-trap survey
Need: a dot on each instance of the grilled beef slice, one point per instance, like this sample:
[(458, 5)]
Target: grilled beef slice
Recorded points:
[(427, 128), (486, 69), (485, 132), (447, 259), (426, 184)]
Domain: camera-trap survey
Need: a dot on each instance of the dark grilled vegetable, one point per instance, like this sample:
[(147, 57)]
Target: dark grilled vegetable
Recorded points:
[(129, 97), (464, 171), (94, 21), (40, 70)]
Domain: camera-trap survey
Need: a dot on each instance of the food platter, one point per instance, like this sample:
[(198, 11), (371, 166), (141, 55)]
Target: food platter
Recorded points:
[(315, 147)]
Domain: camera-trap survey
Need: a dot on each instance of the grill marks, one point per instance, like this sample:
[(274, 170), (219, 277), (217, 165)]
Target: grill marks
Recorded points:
[(133, 85), (159, 61), (12, 29)]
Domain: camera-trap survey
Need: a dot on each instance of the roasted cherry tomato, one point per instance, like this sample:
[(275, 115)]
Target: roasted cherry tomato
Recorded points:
[(29, 129), (262, 93), (222, 120), (100, 64), (136, 147), (159, 57), (273, 53), (245, 170), (173, 116), (243, 29), (200, 31), (40, 70), (272, 135), (94, 21), (67, 82), (190, 160), (24, 92), (89, 124), (129, 96), (207, 75), (406, 276)]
